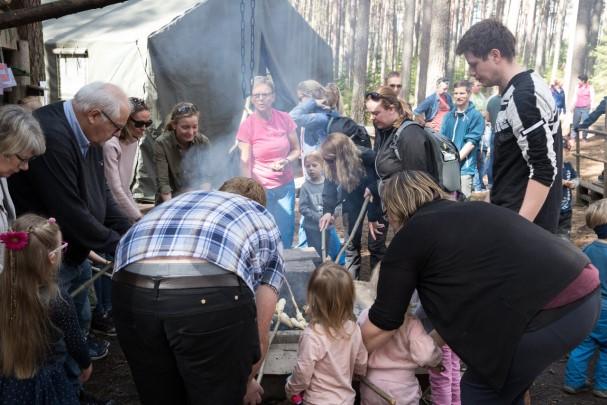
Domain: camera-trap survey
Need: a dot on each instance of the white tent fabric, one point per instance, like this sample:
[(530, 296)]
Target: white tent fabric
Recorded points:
[(168, 51)]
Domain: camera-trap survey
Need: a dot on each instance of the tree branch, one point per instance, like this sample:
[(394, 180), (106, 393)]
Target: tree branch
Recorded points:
[(47, 11)]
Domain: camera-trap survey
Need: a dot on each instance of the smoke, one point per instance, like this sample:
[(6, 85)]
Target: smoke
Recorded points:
[(208, 166)]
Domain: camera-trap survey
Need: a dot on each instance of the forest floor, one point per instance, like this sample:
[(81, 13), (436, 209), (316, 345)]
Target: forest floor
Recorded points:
[(112, 378)]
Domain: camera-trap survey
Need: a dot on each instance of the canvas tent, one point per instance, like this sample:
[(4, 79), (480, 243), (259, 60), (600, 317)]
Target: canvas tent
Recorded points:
[(184, 50), (169, 51)]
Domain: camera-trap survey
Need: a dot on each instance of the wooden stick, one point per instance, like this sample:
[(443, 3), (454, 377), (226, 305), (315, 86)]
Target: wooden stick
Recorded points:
[(260, 373), (359, 220), (383, 394), (323, 241)]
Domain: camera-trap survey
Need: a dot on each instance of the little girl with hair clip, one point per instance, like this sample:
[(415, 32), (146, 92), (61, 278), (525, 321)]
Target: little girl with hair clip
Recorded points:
[(331, 349), (37, 322)]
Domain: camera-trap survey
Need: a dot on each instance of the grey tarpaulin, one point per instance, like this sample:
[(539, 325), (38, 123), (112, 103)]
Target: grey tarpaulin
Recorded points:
[(168, 51)]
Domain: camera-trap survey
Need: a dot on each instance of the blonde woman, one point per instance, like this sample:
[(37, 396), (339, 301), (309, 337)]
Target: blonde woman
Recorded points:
[(496, 287), (268, 147), (180, 136), (352, 169)]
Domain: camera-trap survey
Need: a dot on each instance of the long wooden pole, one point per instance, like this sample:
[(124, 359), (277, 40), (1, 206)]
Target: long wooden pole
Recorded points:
[(56, 9)]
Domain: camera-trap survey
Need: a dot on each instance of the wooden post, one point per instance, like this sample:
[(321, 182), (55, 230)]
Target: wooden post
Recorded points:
[(578, 197)]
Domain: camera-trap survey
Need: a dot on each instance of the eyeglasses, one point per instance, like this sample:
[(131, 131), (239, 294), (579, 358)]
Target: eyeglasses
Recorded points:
[(137, 102), (62, 248), (396, 86), (24, 161), (139, 124), (118, 127), (261, 95)]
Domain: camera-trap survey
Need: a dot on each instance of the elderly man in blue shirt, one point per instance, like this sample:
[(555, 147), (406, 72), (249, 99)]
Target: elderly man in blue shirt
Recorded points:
[(195, 285)]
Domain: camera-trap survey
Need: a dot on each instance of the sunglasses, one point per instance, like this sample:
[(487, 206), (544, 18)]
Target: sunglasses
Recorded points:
[(186, 109), (375, 96), (140, 124), (62, 248)]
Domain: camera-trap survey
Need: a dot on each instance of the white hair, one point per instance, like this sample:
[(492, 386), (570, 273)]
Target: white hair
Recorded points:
[(104, 96), (20, 132)]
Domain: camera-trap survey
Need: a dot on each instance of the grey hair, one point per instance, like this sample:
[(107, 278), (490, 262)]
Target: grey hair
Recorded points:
[(267, 80), (104, 96), (20, 132)]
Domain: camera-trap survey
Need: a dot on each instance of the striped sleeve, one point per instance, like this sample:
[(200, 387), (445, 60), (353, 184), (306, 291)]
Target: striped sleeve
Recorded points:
[(534, 121)]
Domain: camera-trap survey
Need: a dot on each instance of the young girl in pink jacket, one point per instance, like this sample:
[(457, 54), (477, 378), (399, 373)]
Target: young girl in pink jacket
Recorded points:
[(392, 367), (331, 349)]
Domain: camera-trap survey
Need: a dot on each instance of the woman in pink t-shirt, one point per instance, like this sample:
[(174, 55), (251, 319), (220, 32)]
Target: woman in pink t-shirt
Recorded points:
[(268, 145)]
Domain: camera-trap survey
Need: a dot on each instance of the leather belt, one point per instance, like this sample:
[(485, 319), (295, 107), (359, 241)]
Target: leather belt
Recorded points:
[(168, 283)]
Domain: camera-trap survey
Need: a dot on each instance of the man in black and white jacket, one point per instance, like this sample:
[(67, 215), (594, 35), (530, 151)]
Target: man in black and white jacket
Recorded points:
[(528, 141)]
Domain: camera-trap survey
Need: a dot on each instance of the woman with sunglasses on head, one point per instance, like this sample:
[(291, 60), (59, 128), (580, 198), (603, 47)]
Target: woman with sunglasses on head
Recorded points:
[(119, 155), (268, 146), (180, 137)]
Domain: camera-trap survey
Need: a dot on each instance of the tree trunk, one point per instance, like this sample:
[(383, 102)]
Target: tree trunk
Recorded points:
[(558, 41), (541, 36), (408, 38), (56, 9), (595, 26), (424, 49), (438, 42), (579, 55), (453, 38), (32, 33), (360, 60), (529, 11), (350, 48)]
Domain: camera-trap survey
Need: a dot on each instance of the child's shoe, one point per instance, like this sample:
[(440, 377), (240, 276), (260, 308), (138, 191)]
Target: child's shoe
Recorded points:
[(573, 391)]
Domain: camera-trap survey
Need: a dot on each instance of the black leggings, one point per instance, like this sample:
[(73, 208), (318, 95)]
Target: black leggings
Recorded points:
[(536, 351)]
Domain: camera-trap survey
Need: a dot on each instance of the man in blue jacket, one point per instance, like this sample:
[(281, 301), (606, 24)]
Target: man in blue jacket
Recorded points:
[(464, 125), (431, 111)]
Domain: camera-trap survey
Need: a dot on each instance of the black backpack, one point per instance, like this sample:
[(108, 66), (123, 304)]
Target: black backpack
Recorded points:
[(349, 127), (446, 157)]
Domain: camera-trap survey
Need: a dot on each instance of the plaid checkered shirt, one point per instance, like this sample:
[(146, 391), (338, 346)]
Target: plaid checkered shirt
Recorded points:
[(230, 231)]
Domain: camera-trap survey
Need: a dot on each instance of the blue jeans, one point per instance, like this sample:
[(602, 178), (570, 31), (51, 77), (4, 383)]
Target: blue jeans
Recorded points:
[(481, 169), (281, 204), (103, 291), (577, 366), (579, 116)]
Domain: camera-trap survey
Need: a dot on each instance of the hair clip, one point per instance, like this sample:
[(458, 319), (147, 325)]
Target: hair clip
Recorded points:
[(14, 240), (52, 220)]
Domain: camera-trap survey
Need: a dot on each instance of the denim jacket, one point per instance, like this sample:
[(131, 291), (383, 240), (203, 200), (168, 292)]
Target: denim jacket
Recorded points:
[(593, 116), (314, 119), (429, 107)]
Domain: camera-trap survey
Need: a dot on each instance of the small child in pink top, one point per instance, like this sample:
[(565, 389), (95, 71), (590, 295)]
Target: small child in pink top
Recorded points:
[(331, 349), (392, 367)]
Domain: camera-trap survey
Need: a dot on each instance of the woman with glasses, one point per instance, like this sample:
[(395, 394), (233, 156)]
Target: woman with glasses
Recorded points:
[(181, 136), (21, 140), (268, 146), (119, 154)]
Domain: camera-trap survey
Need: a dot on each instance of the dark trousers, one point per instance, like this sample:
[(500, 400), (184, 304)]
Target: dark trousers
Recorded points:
[(536, 351), (187, 346), (377, 247)]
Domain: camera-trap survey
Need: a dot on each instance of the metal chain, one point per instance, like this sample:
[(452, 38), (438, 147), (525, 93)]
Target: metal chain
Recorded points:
[(243, 67), (252, 61)]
